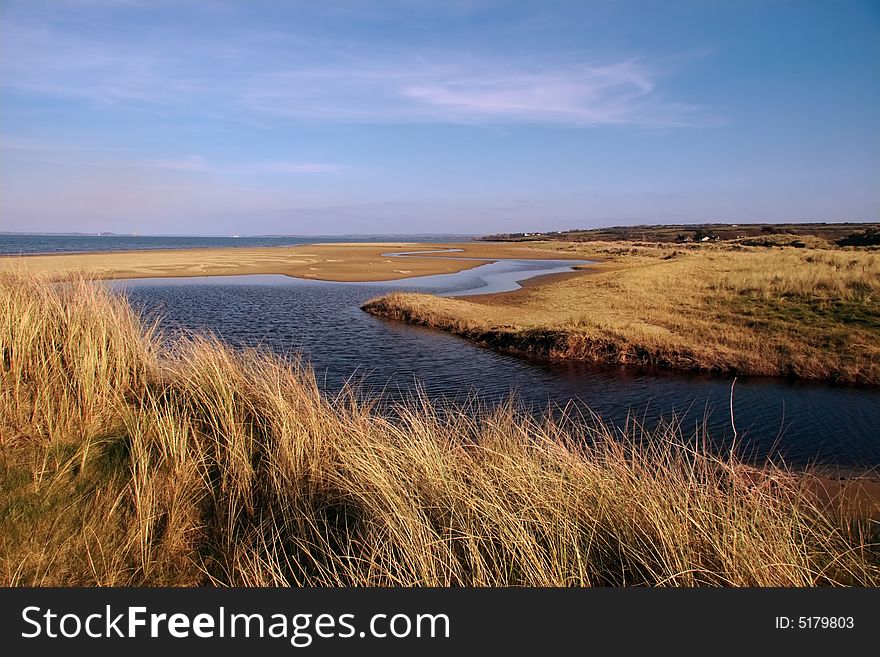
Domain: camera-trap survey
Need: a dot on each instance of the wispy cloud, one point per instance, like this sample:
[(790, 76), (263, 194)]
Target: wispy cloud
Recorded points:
[(189, 163), (26, 145), (581, 94), (471, 90), (275, 76), (278, 166), (83, 156), (198, 164)]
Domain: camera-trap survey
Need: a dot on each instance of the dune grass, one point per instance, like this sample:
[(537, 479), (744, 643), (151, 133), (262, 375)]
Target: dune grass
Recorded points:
[(128, 459), (806, 313)]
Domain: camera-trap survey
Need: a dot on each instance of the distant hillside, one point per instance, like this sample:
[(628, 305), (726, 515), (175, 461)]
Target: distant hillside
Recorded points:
[(847, 234)]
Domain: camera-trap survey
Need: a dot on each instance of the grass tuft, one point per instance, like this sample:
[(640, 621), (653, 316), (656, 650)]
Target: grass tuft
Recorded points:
[(129, 460)]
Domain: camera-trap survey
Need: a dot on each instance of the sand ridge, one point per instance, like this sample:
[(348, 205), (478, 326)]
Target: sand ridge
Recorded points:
[(342, 262)]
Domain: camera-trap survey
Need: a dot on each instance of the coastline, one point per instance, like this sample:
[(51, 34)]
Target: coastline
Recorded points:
[(166, 452), (350, 262)]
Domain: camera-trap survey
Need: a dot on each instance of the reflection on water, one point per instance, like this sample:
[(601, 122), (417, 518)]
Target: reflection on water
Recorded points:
[(804, 422)]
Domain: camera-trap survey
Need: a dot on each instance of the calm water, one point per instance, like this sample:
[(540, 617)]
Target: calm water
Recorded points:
[(802, 422), (31, 244)]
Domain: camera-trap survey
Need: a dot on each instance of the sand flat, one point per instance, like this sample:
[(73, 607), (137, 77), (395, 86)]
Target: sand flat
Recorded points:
[(342, 262)]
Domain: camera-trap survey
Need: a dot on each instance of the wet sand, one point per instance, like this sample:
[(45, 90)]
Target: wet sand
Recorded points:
[(513, 297), (343, 262), (853, 496)]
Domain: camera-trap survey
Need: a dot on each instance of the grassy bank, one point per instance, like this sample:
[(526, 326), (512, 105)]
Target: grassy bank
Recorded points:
[(129, 460), (804, 312)]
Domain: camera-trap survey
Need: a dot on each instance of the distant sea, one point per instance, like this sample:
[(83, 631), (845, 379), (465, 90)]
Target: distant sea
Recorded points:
[(33, 244)]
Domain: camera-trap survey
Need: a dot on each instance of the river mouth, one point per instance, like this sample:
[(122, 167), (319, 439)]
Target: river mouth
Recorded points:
[(801, 423)]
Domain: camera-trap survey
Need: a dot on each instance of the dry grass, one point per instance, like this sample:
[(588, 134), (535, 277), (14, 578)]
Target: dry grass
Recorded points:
[(128, 463), (809, 313)]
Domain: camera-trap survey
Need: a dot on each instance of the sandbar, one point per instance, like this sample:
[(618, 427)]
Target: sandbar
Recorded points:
[(341, 262)]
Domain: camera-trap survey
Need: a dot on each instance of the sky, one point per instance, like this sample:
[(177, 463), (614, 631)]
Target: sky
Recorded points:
[(459, 116)]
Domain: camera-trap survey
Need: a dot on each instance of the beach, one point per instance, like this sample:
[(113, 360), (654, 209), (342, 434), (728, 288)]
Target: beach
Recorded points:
[(340, 262)]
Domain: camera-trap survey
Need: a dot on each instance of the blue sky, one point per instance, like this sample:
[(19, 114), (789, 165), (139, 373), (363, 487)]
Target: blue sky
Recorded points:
[(220, 117)]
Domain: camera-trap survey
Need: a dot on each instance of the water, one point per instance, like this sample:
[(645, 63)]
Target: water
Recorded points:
[(804, 423), (32, 244)]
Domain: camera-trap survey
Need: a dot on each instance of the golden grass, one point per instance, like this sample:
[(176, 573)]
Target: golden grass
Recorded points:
[(127, 462), (809, 313)]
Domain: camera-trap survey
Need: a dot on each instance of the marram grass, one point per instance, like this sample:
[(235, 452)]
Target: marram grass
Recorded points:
[(129, 460), (799, 313)]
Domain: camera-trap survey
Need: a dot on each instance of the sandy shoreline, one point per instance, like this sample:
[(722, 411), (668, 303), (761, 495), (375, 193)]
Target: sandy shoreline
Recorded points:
[(342, 262), (363, 262)]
